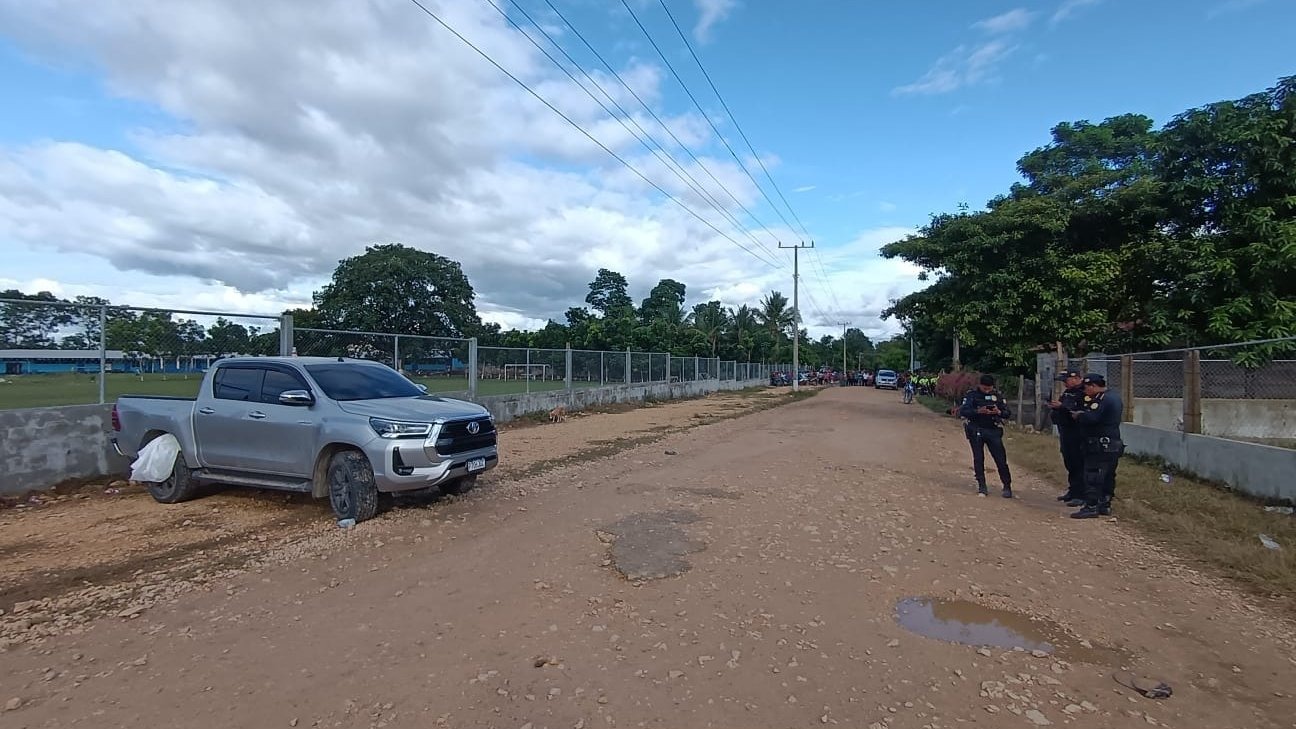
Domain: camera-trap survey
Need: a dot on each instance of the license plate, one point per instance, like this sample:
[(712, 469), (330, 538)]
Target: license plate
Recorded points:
[(476, 464)]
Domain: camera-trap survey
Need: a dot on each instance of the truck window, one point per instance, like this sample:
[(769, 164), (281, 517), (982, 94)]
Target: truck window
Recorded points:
[(278, 381), (345, 381), (238, 383)]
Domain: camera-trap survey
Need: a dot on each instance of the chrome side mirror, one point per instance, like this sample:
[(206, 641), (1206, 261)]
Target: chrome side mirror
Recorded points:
[(296, 397)]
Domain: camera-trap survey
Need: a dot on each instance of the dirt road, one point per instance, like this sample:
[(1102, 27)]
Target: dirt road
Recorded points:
[(745, 573)]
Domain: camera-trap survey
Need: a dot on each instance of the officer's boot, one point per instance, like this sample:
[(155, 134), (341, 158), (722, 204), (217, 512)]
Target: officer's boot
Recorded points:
[(1104, 508), (1075, 501), (1088, 511), (1007, 491), (981, 490)]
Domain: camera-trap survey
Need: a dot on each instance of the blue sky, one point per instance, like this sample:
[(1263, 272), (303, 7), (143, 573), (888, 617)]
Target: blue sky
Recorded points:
[(187, 155)]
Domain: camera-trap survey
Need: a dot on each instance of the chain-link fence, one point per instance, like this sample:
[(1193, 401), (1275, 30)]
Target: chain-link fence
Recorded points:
[(1244, 391), (53, 353), (74, 353)]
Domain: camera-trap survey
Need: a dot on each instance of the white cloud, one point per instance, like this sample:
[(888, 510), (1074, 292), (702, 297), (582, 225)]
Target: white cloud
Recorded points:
[(964, 66), (1009, 22), (710, 12), (805, 188), (373, 125), (886, 207), (1069, 8)]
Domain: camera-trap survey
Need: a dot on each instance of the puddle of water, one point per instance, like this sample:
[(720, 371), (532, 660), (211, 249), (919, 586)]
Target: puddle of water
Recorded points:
[(960, 621)]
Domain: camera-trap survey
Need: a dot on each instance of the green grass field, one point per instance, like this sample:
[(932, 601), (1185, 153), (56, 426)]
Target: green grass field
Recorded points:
[(36, 391)]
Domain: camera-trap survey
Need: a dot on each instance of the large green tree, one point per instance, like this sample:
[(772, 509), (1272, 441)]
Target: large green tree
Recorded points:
[(1229, 170), (399, 289)]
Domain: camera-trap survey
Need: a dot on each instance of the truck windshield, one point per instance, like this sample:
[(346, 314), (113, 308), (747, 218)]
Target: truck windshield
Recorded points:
[(361, 382)]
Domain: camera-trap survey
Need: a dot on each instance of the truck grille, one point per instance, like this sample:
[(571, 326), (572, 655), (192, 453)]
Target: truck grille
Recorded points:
[(455, 438)]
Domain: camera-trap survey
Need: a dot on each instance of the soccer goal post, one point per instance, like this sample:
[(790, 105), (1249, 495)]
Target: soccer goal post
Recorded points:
[(518, 371)]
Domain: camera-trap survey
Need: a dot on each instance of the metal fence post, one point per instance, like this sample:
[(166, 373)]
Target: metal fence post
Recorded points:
[(567, 376), (602, 368), (1192, 414), (528, 370), (286, 335), (627, 372), (696, 376), (103, 351), (396, 353), (1021, 398), (1039, 392), (472, 368), (668, 358), (1127, 388)]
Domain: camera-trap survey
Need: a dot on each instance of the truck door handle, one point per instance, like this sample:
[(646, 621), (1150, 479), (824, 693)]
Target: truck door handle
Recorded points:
[(257, 415), (206, 411)]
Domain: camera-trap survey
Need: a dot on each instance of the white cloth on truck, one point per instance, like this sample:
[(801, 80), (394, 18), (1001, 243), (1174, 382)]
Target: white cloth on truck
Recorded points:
[(156, 460)]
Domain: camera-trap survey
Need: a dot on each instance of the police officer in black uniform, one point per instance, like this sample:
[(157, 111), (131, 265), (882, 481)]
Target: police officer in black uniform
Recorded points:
[(1070, 440), (1099, 423), (983, 410)]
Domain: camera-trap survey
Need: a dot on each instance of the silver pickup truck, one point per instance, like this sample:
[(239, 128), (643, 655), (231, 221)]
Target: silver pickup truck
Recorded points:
[(348, 429)]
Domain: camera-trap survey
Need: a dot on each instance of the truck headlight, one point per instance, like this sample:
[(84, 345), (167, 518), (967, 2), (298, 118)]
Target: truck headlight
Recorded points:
[(397, 429)]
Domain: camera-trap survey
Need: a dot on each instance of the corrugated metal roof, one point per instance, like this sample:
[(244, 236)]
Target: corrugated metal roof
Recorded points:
[(58, 354)]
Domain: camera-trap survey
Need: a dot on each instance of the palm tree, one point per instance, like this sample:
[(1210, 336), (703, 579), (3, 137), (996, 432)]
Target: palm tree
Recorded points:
[(744, 324), (777, 317), (709, 320)]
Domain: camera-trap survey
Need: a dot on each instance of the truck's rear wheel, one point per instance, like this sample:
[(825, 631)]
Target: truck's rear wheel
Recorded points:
[(352, 490), (461, 485), (179, 487)]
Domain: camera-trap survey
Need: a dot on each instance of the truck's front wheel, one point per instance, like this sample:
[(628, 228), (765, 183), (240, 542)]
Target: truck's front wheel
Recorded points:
[(179, 487), (352, 490)]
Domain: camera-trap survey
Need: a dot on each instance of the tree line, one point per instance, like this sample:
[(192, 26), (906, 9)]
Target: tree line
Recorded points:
[(1121, 237), (395, 288)]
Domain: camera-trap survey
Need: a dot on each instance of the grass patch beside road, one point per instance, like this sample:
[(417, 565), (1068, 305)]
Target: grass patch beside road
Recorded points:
[(1205, 523), (935, 404)]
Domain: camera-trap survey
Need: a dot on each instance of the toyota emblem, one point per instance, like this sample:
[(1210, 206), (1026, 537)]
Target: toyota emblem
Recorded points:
[(474, 428)]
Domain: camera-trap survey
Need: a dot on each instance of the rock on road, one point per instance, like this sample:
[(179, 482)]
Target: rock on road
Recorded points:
[(750, 579)]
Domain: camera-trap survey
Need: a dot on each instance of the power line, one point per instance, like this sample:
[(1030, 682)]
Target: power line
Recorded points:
[(696, 103), (697, 60), (822, 272), (659, 121), (582, 130), (668, 160)]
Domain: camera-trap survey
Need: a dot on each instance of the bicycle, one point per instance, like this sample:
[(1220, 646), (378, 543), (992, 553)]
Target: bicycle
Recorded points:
[(908, 392)]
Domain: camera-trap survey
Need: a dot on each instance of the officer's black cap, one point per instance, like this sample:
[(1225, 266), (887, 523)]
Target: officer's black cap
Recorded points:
[(1093, 378), (1067, 374)]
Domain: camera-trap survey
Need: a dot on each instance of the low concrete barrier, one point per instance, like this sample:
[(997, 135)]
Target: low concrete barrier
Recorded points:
[(1262, 471), (510, 407), (41, 447)]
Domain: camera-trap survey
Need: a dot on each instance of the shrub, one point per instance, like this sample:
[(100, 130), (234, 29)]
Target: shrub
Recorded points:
[(952, 386)]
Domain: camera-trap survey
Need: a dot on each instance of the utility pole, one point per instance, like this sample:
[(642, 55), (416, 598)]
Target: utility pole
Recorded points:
[(844, 324), (911, 348), (796, 310)]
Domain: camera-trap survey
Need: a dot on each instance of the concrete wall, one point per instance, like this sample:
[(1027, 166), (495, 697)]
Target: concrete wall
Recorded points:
[(1267, 419), (509, 407), (1259, 470), (40, 447)]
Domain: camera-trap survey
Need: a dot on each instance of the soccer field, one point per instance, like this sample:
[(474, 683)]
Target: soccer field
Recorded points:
[(35, 391)]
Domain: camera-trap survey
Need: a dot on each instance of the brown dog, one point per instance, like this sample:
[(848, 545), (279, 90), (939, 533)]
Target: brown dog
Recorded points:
[(557, 414)]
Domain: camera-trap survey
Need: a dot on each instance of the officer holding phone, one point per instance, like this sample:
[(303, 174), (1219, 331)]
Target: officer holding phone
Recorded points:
[(984, 408)]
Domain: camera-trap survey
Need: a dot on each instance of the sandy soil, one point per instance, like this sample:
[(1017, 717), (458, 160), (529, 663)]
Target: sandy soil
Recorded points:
[(742, 573)]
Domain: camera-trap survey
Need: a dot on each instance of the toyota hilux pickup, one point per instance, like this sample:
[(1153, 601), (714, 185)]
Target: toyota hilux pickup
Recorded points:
[(351, 430)]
